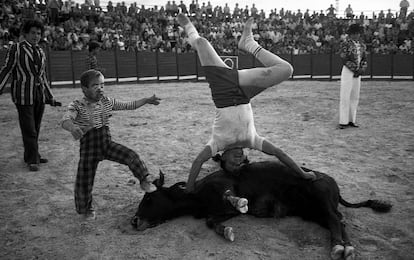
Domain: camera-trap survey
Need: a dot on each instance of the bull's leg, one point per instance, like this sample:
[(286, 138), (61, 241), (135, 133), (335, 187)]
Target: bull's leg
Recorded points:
[(239, 203), (337, 251), (214, 222), (263, 207), (335, 228), (267, 206), (349, 253)]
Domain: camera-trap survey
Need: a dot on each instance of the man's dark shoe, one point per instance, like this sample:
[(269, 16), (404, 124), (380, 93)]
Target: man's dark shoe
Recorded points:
[(341, 126), (43, 160), (33, 167), (353, 125)]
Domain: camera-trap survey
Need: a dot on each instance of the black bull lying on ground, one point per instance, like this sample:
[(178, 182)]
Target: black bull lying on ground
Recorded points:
[(271, 189)]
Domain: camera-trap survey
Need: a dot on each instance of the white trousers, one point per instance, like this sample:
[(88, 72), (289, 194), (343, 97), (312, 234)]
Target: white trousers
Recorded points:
[(349, 96)]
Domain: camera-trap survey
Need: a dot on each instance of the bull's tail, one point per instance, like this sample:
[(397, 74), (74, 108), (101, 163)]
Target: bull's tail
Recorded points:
[(376, 205)]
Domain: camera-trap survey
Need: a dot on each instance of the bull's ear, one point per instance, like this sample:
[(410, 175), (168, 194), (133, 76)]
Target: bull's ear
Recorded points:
[(217, 157), (160, 181)]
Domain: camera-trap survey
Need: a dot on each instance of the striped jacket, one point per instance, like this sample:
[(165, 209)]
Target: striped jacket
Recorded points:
[(25, 74), (91, 62), (349, 55)]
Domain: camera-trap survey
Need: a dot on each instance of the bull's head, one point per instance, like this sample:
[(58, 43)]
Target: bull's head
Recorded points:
[(158, 206)]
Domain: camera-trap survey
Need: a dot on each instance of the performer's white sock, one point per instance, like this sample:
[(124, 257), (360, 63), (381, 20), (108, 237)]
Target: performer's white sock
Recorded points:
[(252, 46)]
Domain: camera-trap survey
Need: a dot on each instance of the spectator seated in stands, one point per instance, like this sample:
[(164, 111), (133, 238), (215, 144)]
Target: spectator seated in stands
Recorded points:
[(93, 23)]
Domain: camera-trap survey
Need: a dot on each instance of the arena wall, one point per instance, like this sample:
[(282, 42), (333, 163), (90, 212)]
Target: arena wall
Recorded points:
[(65, 67)]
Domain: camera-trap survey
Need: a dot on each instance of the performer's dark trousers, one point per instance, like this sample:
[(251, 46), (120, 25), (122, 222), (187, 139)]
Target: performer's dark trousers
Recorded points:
[(30, 118)]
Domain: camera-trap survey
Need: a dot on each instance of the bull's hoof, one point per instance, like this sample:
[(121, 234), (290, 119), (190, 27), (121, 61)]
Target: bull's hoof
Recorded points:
[(228, 233), (242, 205), (337, 252), (349, 253)]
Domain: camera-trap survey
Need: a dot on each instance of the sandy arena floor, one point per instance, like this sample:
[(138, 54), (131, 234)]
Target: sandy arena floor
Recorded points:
[(38, 219)]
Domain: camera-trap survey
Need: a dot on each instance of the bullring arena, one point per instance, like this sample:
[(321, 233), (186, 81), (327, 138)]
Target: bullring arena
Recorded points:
[(38, 219)]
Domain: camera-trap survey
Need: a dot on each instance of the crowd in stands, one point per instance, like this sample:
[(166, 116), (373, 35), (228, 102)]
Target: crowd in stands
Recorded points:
[(70, 25)]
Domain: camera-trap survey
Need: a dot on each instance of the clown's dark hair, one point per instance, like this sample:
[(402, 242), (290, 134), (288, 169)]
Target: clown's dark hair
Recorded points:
[(32, 23), (87, 77)]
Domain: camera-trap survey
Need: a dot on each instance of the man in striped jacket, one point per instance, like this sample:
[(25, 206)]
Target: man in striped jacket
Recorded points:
[(88, 120), (30, 90)]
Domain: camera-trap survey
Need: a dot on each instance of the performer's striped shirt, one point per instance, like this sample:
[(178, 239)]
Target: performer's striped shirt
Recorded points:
[(87, 114)]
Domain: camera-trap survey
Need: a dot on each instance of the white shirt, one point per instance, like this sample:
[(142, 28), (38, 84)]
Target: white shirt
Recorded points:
[(234, 127)]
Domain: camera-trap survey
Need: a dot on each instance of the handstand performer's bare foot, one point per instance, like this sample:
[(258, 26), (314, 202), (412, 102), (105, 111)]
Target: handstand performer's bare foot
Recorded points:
[(183, 20), (247, 42), (147, 186), (310, 175), (189, 28)]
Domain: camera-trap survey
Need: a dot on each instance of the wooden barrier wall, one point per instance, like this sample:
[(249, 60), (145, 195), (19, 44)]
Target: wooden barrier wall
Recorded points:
[(65, 67)]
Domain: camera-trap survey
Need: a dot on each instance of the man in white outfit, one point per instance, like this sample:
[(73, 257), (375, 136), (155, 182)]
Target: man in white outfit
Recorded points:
[(353, 55)]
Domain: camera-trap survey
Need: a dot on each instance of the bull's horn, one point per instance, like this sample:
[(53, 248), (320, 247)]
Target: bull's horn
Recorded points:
[(160, 181)]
